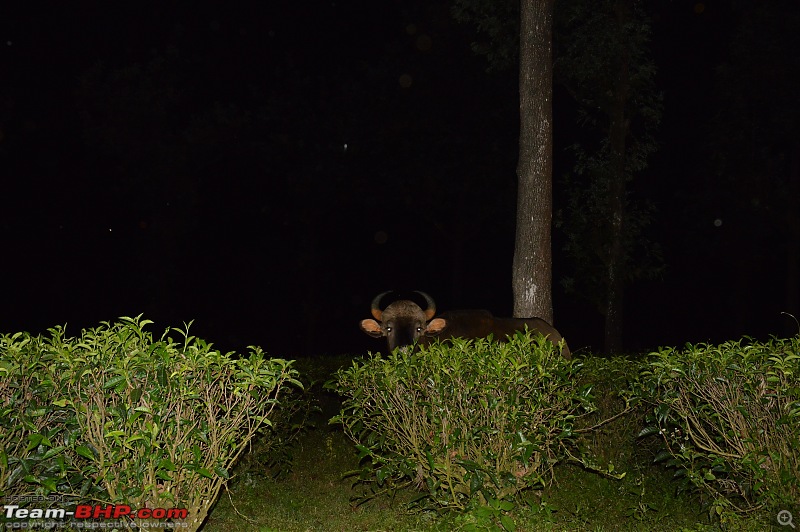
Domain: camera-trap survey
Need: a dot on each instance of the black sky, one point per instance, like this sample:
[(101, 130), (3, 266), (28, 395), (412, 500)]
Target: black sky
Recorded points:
[(265, 168)]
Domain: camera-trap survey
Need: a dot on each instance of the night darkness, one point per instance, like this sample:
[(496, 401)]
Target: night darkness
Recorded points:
[(266, 168)]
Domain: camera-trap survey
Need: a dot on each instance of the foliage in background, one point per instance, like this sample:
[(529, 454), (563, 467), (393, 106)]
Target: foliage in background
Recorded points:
[(729, 417), (115, 416), (604, 62), (497, 26), (468, 423)]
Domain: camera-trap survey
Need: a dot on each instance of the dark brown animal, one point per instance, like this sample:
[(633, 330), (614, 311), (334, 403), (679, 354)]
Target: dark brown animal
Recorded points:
[(404, 323)]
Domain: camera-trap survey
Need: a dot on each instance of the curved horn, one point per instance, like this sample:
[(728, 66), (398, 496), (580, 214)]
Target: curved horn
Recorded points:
[(430, 312), (376, 305)]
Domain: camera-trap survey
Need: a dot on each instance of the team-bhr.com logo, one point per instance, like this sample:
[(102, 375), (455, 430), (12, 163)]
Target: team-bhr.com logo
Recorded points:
[(97, 511)]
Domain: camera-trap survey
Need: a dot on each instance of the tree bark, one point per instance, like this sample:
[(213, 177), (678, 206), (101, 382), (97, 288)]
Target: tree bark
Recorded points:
[(532, 266)]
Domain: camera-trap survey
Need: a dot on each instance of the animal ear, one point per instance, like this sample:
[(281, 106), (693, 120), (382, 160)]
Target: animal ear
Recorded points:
[(436, 326), (372, 328)]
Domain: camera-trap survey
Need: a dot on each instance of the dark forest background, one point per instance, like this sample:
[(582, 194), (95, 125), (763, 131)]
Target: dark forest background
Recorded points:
[(266, 168)]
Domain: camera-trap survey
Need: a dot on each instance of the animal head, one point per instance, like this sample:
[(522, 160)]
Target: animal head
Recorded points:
[(403, 322)]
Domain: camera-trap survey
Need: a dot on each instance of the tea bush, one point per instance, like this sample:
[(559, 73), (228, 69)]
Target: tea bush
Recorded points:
[(609, 433), (468, 423), (36, 434), (115, 416), (729, 417), (271, 452)]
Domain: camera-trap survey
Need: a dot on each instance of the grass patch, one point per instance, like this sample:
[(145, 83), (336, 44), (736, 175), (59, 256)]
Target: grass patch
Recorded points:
[(314, 497), (311, 496)]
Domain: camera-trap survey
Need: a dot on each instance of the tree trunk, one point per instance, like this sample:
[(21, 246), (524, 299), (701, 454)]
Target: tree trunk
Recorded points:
[(532, 268), (618, 133)]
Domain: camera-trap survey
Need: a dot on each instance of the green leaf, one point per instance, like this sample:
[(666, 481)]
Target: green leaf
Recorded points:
[(136, 394), (166, 463), (132, 439), (161, 376), (53, 452), (36, 440), (647, 431), (50, 484), (508, 523), (484, 512), (381, 474), (114, 381), (84, 451)]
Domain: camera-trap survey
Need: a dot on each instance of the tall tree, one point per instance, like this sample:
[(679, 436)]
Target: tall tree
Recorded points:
[(532, 262), (605, 65), (532, 265)]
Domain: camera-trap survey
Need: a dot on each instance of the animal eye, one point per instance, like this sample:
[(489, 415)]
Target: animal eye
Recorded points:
[(419, 329), (388, 329)]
